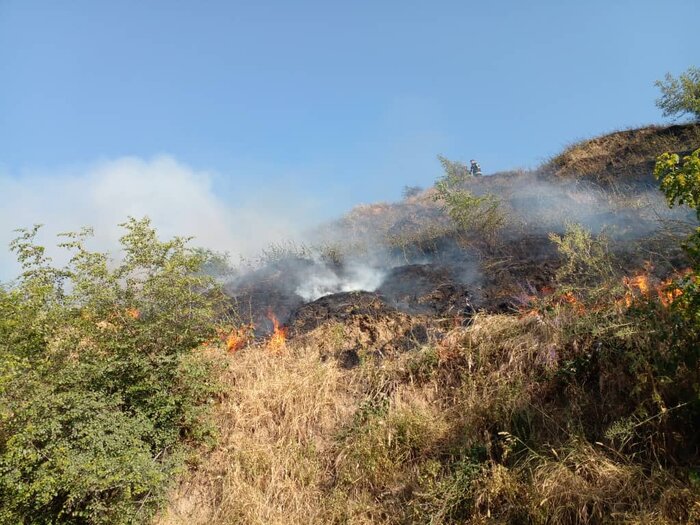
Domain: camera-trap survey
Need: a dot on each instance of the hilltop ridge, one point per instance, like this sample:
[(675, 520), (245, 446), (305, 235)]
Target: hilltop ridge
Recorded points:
[(623, 155)]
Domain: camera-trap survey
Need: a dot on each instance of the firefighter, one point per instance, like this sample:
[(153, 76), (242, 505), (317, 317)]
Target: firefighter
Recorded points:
[(475, 169)]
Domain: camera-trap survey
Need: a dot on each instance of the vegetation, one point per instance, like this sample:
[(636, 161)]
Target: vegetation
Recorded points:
[(577, 401), (623, 157), (580, 407), (99, 386), (537, 418), (680, 96), (480, 214), (680, 182), (455, 171)]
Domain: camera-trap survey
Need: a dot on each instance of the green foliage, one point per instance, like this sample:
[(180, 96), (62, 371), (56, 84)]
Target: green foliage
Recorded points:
[(680, 95), (680, 182), (479, 213), (455, 171), (586, 259), (215, 264), (99, 387)]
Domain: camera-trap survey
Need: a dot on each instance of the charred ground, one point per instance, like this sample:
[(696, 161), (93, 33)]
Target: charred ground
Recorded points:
[(424, 264)]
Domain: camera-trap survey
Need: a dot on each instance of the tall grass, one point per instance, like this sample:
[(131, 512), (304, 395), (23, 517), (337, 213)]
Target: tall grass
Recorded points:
[(489, 424)]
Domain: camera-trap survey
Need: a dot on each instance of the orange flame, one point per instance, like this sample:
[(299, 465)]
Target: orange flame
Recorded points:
[(278, 339), (640, 282), (668, 292), (134, 313), (531, 307), (642, 286), (637, 286), (570, 298), (239, 338)]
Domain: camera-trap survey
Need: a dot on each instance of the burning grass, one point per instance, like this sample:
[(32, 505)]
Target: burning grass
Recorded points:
[(560, 414), (486, 423), (278, 337)]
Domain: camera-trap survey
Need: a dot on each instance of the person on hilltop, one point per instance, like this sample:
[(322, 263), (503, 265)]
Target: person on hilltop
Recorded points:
[(475, 169)]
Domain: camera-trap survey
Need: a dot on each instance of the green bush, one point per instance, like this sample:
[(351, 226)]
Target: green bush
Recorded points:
[(680, 95), (587, 264), (680, 182), (455, 171), (480, 214), (99, 386)]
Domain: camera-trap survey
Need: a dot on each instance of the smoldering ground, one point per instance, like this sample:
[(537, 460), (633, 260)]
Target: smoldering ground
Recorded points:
[(411, 253), (294, 264)]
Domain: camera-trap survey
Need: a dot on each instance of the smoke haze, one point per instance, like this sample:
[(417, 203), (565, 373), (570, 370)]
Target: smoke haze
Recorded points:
[(179, 200)]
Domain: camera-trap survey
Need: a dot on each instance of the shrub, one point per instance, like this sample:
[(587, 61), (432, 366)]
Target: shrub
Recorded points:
[(481, 214), (455, 171), (587, 263), (680, 182), (680, 95), (98, 382)]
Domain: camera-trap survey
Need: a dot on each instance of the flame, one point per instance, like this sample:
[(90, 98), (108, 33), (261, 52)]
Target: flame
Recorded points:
[(636, 286), (531, 308), (239, 338), (278, 338), (667, 296), (668, 292), (134, 313), (641, 285), (570, 298), (232, 338), (639, 282)]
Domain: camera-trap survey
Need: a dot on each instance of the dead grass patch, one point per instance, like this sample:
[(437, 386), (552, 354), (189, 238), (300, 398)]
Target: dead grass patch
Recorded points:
[(276, 426)]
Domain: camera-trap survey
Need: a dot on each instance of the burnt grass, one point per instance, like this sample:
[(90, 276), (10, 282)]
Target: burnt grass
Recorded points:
[(433, 269)]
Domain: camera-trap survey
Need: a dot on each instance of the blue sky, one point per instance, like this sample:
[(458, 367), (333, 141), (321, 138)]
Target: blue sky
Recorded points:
[(327, 103)]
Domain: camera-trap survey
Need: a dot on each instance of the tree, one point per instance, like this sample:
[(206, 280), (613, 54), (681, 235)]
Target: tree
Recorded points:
[(680, 95), (680, 182), (99, 384)]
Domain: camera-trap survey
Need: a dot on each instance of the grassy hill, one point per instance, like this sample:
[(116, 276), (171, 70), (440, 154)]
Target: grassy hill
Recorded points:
[(533, 372), (623, 155), (515, 348)]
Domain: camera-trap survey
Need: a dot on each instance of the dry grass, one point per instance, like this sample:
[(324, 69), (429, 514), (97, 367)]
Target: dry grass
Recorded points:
[(505, 421), (276, 427), (623, 154), (457, 431), (584, 483)]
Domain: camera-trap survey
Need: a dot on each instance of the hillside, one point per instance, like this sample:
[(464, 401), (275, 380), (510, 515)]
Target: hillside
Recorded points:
[(449, 369), (624, 155), (515, 348)]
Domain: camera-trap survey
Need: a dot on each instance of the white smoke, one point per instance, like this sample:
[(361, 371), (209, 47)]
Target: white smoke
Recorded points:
[(322, 280), (179, 201)]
